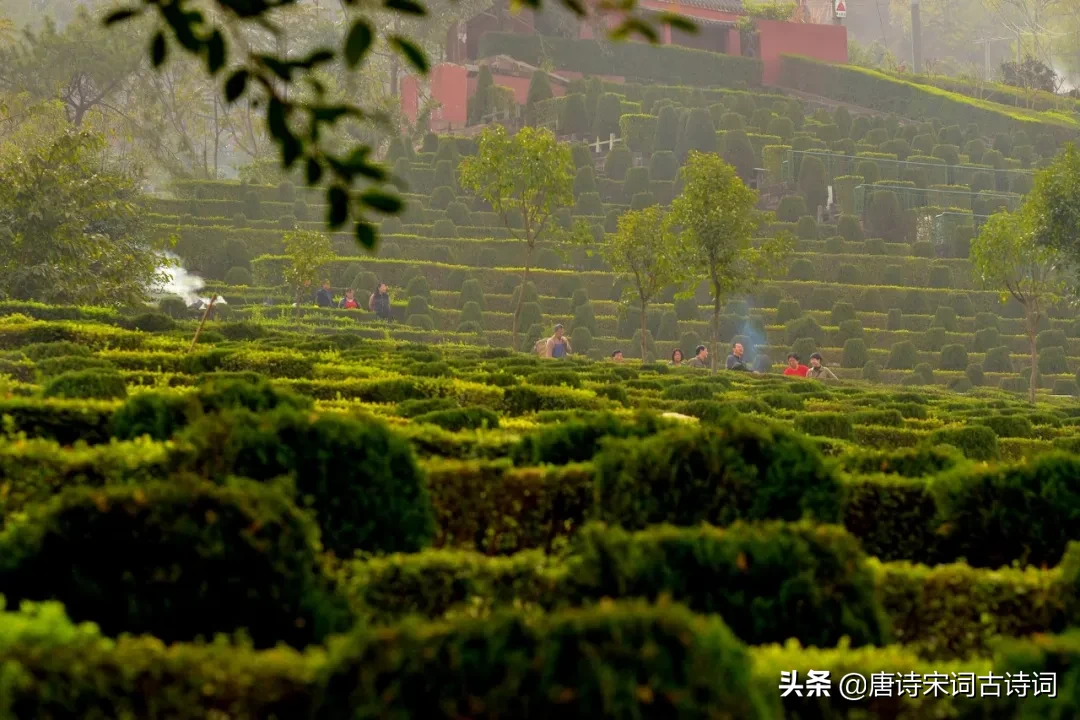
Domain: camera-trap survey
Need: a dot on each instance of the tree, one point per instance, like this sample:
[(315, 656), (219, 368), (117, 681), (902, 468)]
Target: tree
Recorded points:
[(716, 212), (1007, 257), (307, 251), (1054, 205), (644, 252), (300, 122), (1031, 74), (528, 175), (480, 103), (82, 64), (539, 90), (71, 231)]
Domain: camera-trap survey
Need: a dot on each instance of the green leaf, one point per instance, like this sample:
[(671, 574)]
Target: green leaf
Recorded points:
[(365, 235), (158, 50), (291, 150), (121, 15), (407, 7), (382, 202), (235, 86), (313, 171), (358, 43), (215, 52), (318, 57), (338, 199), (275, 119), (412, 53)]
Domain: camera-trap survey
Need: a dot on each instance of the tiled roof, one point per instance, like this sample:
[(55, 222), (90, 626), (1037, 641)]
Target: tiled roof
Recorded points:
[(730, 6)]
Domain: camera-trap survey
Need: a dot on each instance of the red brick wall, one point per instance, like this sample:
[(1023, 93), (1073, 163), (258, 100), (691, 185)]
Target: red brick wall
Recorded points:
[(775, 38)]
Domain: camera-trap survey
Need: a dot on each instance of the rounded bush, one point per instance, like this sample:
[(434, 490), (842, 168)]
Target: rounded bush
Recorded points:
[(933, 339), (787, 310), (530, 315), (581, 339), (459, 214), (1066, 386), (418, 287), (421, 322), (849, 329), (715, 474), (584, 317), (151, 322), (1050, 339), (806, 228), (444, 228), (953, 357), (876, 246), (472, 292), (441, 198), (176, 560), (418, 305), (842, 311), (987, 339), (458, 419), (801, 269), (804, 327), (94, 384), (360, 478), (791, 208), (903, 356), (774, 581), (1052, 361), (849, 228), (871, 372), (238, 276), (945, 317), (974, 374), (998, 360), (472, 313), (976, 442)]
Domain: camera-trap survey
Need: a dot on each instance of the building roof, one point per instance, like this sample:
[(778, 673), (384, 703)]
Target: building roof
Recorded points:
[(728, 6)]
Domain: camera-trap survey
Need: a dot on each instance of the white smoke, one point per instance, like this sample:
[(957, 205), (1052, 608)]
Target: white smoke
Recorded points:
[(183, 284)]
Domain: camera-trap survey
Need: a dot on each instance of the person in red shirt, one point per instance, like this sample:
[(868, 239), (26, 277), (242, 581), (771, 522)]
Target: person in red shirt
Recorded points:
[(349, 301), (794, 367)]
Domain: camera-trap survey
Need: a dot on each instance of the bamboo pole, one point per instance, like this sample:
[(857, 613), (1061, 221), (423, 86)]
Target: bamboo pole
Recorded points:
[(206, 314)]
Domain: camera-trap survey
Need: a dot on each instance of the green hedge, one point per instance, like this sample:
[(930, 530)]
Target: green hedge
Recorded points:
[(878, 91), (664, 63)]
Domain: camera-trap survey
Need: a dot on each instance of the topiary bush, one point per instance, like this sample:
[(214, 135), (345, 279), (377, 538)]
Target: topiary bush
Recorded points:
[(945, 317), (458, 419), (849, 228), (902, 356), (238, 276), (360, 478), (895, 320), (472, 292), (1052, 361), (848, 330), (842, 311), (421, 322), (804, 327), (806, 228), (825, 424), (987, 339), (92, 384), (791, 208), (855, 354), (953, 357), (176, 560), (801, 269), (998, 360), (720, 474), (976, 442), (774, 581), (940, 276), (871, 372)]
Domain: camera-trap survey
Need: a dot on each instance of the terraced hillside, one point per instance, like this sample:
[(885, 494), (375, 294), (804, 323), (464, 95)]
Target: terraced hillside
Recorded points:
[(882, 286)]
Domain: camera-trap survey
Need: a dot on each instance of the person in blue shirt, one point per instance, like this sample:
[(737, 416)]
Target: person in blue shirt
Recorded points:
[(324, 297), (557, 346)]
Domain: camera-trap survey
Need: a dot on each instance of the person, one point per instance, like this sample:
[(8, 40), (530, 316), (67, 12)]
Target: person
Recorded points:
[(794, 367), (379, 302), (735, 359), (700, 356), (676, 357), (818, 371), (617, 356), (349, 301), (557, 346), (324, 298)]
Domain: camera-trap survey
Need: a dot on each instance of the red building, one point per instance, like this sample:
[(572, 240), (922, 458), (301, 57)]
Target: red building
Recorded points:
[(454, 81)]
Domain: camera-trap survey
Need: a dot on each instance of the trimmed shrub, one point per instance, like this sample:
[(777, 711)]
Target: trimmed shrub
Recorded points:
[(953, 357), (945, 317), (987, 339), (663, 166), (787, 311), (974, 374), (933, 339), (998, 515), (806, 228), (774, 581), (848, 227), (515, 662), (871, 372), (804, 327), (617, 162), (89, 384), (855, 354), (903, 356), (458, 419), (895, 320), (176, 560), (976, 442), (997, 360), (238, 276), (714, 474), (1052, 361), (444, 228), (825, 424), (360, 478), (842, 311), (791, 208), (940, 276), (472, 292), (801, 269), (1050, 339), (849, 329)]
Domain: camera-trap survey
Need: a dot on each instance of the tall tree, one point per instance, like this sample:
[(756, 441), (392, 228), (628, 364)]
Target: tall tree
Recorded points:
[(1007, 257), (82, 64), (308, 251), (528, 176), (644, 251), (717, 214), (69, 230)]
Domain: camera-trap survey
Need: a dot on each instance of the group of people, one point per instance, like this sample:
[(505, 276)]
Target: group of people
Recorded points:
[(558, 346), (378, 302)]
